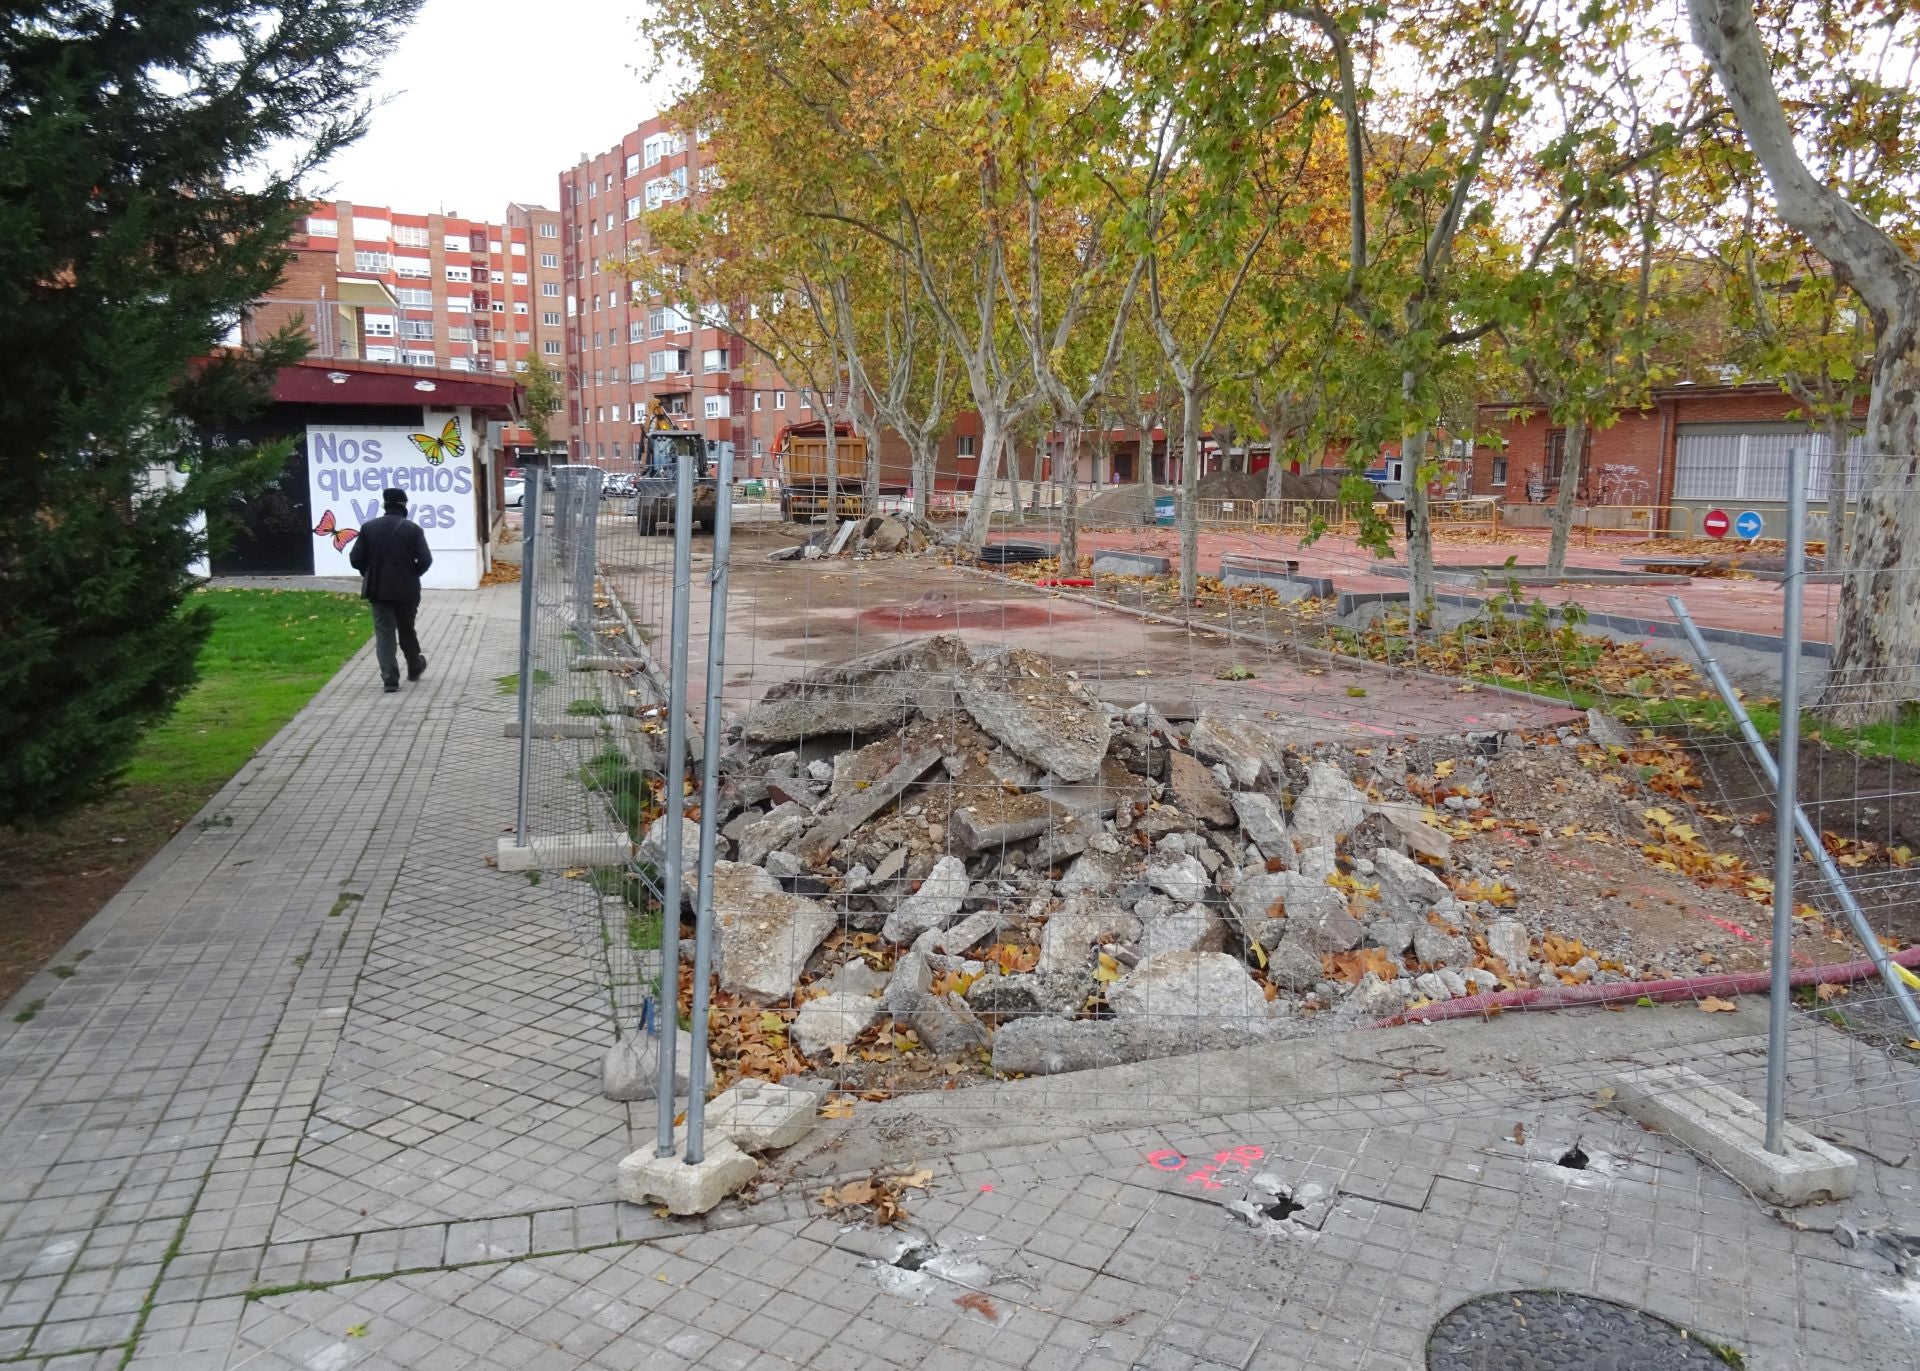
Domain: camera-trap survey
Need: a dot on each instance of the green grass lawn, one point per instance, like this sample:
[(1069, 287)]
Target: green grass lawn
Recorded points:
[(270, 651)]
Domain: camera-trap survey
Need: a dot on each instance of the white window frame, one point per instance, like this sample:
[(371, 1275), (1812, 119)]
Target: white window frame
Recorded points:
[(463, 275), (550, 260), (719, 406), (323, 226)]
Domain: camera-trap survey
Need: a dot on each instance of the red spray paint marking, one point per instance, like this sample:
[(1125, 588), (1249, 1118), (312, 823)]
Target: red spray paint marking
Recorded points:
[(1204, 1175)]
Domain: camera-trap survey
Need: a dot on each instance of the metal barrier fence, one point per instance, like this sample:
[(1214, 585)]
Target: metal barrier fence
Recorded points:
[(941, 838)]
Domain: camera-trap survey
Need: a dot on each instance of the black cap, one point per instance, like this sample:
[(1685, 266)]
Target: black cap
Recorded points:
[(393, 498)]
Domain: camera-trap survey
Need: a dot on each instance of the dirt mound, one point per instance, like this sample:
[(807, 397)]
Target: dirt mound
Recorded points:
[(1322, 483), (1120, 505), (1233, 485)]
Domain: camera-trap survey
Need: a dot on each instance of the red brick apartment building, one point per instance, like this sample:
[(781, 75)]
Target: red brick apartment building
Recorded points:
[(1694, 447), (434, 290)]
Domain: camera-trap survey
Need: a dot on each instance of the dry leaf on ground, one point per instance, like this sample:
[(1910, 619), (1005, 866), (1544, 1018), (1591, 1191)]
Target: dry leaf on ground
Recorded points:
[(1713, 1004)]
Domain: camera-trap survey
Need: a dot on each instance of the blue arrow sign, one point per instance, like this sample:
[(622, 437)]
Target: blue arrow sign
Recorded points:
[(1749, 524)]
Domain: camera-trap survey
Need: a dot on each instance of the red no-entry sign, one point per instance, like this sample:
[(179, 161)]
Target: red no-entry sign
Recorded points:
[(1715, 523)]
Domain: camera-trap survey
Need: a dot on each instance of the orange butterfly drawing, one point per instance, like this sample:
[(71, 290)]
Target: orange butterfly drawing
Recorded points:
[(329, 527)]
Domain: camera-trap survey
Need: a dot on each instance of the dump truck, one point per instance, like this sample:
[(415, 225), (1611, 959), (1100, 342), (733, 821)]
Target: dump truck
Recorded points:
[(801, 451), (656, 484)]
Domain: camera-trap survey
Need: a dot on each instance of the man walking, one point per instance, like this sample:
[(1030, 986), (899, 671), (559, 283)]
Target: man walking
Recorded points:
[(391, 556)]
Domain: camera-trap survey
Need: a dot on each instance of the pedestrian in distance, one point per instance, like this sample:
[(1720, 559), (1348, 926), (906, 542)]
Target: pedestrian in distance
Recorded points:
[(391, 556)]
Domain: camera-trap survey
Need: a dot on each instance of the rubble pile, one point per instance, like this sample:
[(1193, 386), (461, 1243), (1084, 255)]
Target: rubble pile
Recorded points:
[(1020, 869), (876, 535)]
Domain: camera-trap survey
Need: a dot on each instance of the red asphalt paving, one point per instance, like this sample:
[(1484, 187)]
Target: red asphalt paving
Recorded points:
[(1751, 606)]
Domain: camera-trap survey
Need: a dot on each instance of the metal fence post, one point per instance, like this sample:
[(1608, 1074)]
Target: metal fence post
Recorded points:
[(676, 800), (529, 606), (709, 805), (1786, 798), (585, 547)]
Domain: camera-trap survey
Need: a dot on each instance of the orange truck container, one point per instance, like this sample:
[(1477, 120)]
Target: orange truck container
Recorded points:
[(801, 452)]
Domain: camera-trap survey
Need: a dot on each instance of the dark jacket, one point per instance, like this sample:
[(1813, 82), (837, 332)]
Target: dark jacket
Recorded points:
[(391, 556)]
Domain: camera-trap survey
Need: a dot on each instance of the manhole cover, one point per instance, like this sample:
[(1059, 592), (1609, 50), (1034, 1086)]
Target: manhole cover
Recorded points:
[(1538, 1330)]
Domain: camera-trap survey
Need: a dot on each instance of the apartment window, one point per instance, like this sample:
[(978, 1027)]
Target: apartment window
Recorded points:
[(519, 306), (573, 306), (549, 259), (482, 275), (519, 277), (494, 247), (381, 354), (379, 326), (464, 274), (710, 179), (459, 333), (1500, 470), (633, 206), (499, 307), (323, 228), (616, 452), (655, 148), (551, 347), (636, 331), (519, 250), (415, 296), (549, 230), (656, 322), (500, 364), (713, 359), (664, 363), (806, 402), (410, 236), (365, 229), (418, 267), (520, 335), (719, 406), (637, 372), (756, 402), (550, 318), (550, 289), (456, 304), (779, 399), (416, 328), (616, 413), (417, 359), (609, 221), (633, 164), (965, 446), (453, 244), (372, 261), (609, 180)]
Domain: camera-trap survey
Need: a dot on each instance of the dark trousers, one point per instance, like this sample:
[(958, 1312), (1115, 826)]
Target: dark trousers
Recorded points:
[(388, 620)]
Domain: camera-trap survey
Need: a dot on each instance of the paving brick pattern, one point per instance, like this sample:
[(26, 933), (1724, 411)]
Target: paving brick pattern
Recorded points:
[(270, 1126)]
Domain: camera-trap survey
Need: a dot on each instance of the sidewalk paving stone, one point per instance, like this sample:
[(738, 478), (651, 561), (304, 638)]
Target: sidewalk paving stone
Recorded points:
[(270, 1127)]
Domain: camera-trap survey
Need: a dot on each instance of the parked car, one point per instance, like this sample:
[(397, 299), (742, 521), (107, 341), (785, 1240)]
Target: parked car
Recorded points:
[(514, 491), (618, 485)]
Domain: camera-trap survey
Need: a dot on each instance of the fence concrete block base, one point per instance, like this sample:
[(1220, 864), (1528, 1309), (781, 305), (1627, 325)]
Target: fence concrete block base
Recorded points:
[(1110, 563), (1729, 1131), (565, 850), (607, 664), (645, 1178), (758, 1116), (556, 728), (631, 1069)]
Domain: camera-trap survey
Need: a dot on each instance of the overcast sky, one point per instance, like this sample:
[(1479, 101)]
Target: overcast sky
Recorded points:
[(465, 129)]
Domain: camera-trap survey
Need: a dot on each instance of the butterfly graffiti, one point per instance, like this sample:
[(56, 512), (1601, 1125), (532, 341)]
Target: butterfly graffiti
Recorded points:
[(329, 527), (437, 450)]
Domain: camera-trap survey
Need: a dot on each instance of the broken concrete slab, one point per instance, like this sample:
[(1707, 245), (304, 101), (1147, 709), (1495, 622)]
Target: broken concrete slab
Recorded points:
[(1068, 936), (1606, 730), (1111, 562), (1179, 878), (1414, 833), (834, 1020), (847, 813), (870, 692), (1269, 905), (1262, 822), (645, 1178), (1508, 940), (935, 905), (1436, 947), (1292, 967), (1194, 928), (1038, 711), (766, 934), (996, 820), (1246, 747), (653, 847), (943, 1022), (1330, 807), (772, 831), (1404, 882), (1730, 1132), (1188, 987), (1191, 786)]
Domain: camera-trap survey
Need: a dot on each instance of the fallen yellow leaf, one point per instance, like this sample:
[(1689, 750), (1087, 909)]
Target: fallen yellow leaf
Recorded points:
[(1713, 1004)]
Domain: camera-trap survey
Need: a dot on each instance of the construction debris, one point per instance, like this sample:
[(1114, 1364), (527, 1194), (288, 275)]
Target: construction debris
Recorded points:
[(936, 848)]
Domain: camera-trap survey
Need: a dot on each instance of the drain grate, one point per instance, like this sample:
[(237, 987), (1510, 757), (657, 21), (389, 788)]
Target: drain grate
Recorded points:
[(1542, 1330)]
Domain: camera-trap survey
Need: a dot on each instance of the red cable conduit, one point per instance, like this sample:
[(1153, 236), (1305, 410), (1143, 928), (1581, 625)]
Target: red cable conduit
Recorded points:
[(1682, 988)]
